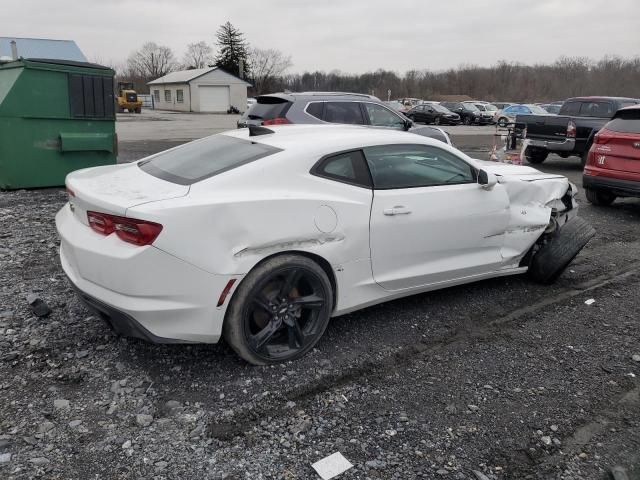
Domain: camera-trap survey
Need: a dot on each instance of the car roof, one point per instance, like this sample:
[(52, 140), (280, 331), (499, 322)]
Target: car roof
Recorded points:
[(324, 139), (624, 112), (292, 96), (603, 98)]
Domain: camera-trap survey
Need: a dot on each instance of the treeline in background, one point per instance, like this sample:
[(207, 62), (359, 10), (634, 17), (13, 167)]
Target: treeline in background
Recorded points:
[(505, 81)]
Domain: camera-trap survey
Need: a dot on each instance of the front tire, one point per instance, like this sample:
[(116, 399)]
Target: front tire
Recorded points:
[(502, 122), (600, 198), (436, 121), (466, 120), (559, 249), (279, 311)]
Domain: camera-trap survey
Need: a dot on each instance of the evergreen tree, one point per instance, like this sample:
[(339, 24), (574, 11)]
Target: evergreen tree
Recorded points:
[(232, 50)]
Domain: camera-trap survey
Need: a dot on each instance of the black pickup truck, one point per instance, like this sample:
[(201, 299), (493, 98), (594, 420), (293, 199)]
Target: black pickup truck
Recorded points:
[(571, 131)]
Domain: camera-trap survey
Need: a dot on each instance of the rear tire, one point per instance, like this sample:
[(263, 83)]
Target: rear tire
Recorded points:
[(502, 122), (279, 311), (560, 249), (466, 120), (436, 121), (600, 198), (535, 155)]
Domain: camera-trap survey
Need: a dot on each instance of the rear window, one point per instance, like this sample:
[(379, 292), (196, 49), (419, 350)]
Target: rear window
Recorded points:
[(596, 109), (268, 108), (570, 108), (625, 122), (205, 158)]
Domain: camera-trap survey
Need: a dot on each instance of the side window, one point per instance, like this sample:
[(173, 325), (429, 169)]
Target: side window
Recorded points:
[(508, 110), (347, 167), (382, 117), (315, 109), (524, 109), (407, 166), (570, 108), (343, 112)]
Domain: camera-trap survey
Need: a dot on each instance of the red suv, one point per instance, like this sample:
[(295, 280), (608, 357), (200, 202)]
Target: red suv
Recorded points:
[(613, 166)]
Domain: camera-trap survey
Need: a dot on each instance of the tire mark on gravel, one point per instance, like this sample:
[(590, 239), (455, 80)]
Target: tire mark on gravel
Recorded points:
[(244, 418)]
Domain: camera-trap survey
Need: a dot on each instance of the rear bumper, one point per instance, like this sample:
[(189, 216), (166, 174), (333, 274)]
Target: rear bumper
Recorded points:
[(120, 322), (567, 145), (622, 188), (141, 291)]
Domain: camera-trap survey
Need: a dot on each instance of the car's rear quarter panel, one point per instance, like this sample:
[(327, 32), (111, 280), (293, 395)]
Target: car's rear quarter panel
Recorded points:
[(229, 223)]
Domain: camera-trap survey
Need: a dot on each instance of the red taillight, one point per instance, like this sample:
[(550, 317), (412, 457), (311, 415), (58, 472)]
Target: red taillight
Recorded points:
[(601, 138), (101, 222), (276, 121), (571, 129), (130, 230)]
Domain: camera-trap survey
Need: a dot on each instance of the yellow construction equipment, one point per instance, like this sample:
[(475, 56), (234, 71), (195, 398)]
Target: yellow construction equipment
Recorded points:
[(128, 98)]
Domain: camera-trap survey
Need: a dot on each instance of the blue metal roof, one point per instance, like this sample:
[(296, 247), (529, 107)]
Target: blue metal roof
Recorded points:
[(42, 48)]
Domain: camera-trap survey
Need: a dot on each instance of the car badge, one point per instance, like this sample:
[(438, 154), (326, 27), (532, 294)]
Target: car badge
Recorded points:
[(636, 145)]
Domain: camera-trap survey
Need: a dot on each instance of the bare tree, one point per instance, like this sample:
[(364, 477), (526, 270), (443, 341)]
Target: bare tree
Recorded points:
[(151, 61), (266, 66), (198, 55)]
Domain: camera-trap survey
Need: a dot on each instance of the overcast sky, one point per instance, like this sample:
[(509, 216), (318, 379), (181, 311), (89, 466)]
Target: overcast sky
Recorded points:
[(348, 35)]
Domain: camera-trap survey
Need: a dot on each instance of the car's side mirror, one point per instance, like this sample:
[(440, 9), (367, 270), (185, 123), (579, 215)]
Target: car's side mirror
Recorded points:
[(407, 125), (487, 180)]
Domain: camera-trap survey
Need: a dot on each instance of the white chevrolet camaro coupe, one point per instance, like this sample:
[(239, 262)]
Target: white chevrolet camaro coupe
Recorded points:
[(261, 235)]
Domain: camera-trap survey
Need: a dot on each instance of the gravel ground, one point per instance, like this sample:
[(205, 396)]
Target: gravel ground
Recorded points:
[(504, 377)]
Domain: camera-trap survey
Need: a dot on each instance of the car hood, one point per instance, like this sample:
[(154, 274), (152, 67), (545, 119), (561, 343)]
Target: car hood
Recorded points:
[(526, 185)]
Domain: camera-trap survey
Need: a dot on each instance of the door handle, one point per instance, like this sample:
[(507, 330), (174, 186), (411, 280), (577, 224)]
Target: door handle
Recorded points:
[(397, 210)]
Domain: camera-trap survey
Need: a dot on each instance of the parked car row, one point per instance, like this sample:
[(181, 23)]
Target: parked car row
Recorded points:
[(572, 131), (332, 107)]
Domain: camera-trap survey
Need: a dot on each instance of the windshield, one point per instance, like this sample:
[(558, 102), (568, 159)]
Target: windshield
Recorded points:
[(439, 108), (471, 106), (490, 107), (480, 107)]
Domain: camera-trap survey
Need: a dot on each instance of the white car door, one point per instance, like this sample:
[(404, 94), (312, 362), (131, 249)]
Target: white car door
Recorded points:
[(430, 220)]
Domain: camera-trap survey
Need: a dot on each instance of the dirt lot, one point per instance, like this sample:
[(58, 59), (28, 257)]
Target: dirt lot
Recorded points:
[(504, 377)]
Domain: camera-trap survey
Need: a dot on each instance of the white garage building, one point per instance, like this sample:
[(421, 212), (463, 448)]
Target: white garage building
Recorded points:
[(208, 89)]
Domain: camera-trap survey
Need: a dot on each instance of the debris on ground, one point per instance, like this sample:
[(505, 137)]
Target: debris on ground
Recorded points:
[(39, 306), (332, 466)]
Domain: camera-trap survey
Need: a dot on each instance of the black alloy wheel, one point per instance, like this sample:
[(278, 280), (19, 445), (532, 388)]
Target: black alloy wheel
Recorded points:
[(436, 120), (466, 120), (280, 311)]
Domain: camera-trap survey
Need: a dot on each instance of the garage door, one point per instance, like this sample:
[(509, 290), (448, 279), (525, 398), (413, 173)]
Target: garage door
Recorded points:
[(214, 99)]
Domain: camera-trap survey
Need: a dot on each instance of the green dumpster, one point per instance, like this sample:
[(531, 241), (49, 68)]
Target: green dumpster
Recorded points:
[(56, 116)]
